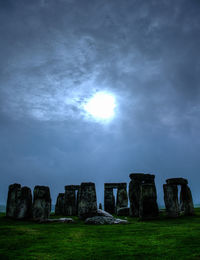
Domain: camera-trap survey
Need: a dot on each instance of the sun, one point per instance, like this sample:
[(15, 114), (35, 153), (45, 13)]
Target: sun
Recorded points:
[(101, 106)]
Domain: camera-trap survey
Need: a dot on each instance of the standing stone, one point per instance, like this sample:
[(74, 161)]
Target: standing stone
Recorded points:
[(70, 201), (122, 197), (134, 196), (148, 207), (186, 201), (60, 204), (41, 203), (138, 179), (87, 204), (19, 202), (171, 200), (109, 200)]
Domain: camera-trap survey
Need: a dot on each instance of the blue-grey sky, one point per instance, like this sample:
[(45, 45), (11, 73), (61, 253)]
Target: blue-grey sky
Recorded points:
[(56, 54)]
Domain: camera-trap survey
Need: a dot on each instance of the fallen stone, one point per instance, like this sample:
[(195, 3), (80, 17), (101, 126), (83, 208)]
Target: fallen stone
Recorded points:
[(123, 211), (102, 220), (104, 213), (57, 220)]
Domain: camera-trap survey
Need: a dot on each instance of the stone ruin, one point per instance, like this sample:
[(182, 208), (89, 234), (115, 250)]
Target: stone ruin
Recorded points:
[(87, 200), (19, 202), (143, 196), (109, 198), (173, 206), (80, 200), (41, 203)]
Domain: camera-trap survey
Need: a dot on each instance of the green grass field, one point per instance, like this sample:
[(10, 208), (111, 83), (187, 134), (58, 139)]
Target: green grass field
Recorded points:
[(160, 239)]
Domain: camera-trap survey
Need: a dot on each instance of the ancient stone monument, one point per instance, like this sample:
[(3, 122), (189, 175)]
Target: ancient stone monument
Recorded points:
[(87, 201), (173, 206), (109, 198), (41, 203), (19, 202), (60, 204), (143, 196), (71, 200)]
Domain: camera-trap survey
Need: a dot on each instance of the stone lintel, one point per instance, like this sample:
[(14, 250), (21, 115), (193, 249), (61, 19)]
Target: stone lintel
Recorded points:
[(177, 181), (72, 187), (142, 176), (115, 185)]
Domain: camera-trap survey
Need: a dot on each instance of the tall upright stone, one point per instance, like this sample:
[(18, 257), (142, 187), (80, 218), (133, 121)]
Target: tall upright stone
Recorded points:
[(137, 180), (171, 200), (122, 197), (148, 207), (60, 204), (87, 200), (134, 197), (172, 204), (71, 200), (109, 200), (19, 202), (186, 201), (41, 203)]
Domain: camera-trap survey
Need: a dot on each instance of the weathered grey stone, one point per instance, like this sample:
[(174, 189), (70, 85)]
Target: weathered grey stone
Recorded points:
[(101, 212), (137, 180), (143, 178), (177, 181), (102, 220), (70, 201), (59, 220), (134, 196), (148, 208), (60, 204), (41, 203), (100, 206), (109, 200), (122, 197), (123, 211), (19, 202), (186, 201), (87, 201), (171, 200)]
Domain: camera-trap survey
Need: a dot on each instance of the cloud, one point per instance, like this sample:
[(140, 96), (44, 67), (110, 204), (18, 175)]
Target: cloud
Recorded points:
[(57, 54)]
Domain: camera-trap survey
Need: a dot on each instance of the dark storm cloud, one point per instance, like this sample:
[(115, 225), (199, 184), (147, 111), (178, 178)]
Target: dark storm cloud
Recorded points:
[(57, 54)]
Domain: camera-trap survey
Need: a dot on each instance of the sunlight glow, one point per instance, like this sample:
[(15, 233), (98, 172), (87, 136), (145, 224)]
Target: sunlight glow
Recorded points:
[(101, 106)]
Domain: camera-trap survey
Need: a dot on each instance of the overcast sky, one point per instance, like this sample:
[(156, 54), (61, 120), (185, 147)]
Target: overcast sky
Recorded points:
[(56, 54)]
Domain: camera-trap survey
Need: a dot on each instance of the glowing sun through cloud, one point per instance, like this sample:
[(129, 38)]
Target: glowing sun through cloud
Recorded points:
[(101, 106)]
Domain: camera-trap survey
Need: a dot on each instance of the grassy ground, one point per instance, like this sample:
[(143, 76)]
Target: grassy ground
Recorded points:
[(160, 239)]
